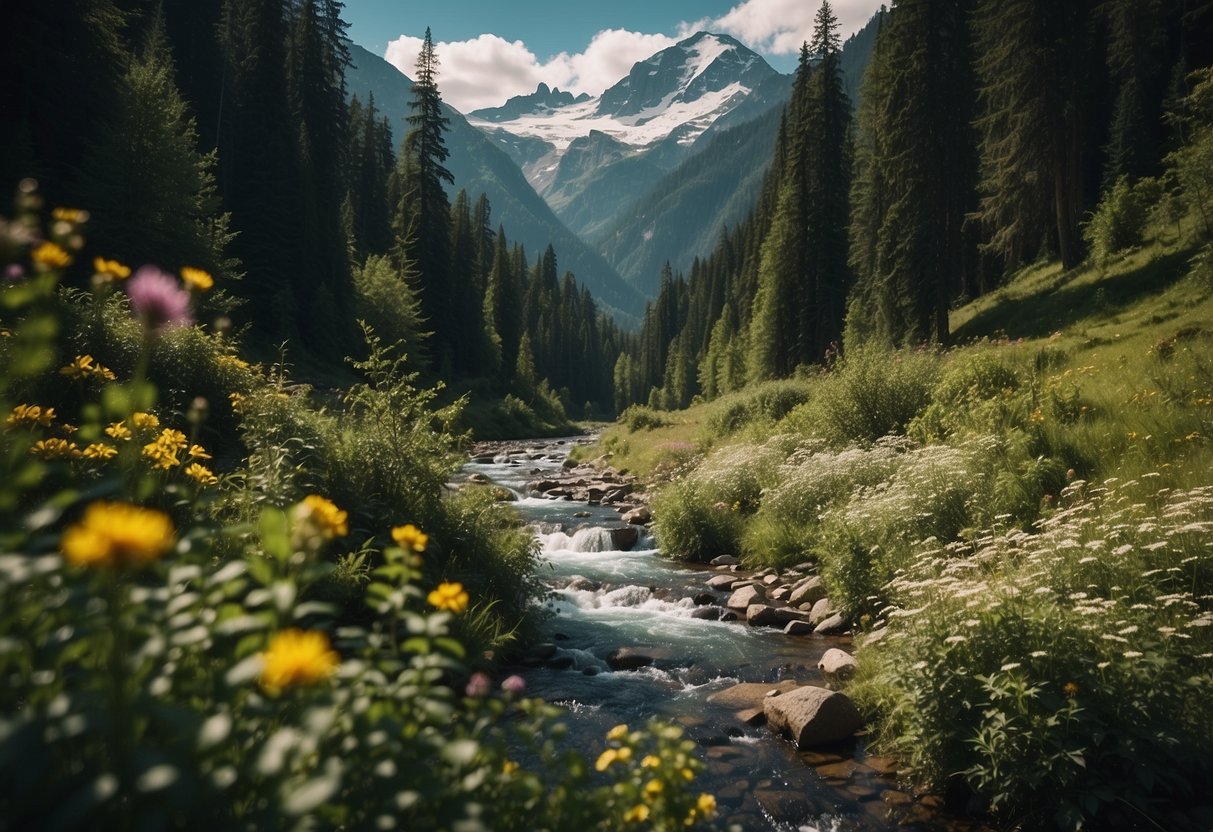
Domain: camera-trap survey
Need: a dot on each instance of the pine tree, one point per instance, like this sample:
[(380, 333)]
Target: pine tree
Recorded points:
[(422, 220), (152, 194)]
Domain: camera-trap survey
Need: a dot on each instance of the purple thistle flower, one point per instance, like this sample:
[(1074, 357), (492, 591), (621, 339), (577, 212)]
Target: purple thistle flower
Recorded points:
[(513, 684), (14, 272), (158, 299), (478, 685)]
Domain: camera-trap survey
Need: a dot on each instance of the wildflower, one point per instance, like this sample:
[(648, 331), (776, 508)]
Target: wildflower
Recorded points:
[(158, 300), (605, 759), (49, 256), (85, 366), (637, 814), (145, 420), (652, 789), (509, 767), (74, 215), (164, 448), (99, 450), (687, 774), (651, 761), (231, 361), (410, 537), (513, 684), (1132, 654), (174, 440), (108, 270), (322, 517), (706, 804), (30, 414), (1037, 417), (196, 280), (117, 534), (12, 273), (237, 400), (618, 732), (478, 685), (624, 754), (297, 657), (118, 430), (449, 596), (1070, 689), (201, 474), (54, 448), (198, 452)]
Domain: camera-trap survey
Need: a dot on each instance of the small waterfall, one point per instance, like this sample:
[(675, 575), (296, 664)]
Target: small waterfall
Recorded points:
[(588, 539)]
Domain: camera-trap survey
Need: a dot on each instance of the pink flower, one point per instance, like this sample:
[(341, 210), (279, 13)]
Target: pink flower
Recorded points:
[(158, 299), (479, 685), (513, 684)]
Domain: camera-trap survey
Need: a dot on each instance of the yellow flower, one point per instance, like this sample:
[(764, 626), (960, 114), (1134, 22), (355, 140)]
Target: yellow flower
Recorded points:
[(99, 450), (637, 814), (706, 805), (172, 440), (509, 767), (110, 269), (50, 255), (113, 534), (203, 475), (237, 400), (1070, 689), (410, 537), (84, 366), (687, 774), (322, 516), (145, 420), (605, 759), (70, 215), (198, 452), (118, 430), (652, 789), (651, 761), (1037, 417), (54, 448), (196, 279), (231, 361), (30, 414), (617, 733), (297, 657), (449, 596)]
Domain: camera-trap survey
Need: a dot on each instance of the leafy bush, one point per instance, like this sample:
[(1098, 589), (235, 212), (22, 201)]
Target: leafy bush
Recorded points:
[(639, 417), (871, 393), (767, 402), (1120, 220), (1061, 674)]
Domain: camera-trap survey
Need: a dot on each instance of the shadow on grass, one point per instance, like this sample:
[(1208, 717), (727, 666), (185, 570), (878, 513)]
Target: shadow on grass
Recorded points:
[(1040, 314)]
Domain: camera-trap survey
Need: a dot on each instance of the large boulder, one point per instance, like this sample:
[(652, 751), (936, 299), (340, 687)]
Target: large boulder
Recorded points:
[(764, 615), (822, 610), (750, 694), (721, 581), (837, 666), (745, 597), (624, 537), (835, 624), (812, 716), (723, 560), (809, 591), (638, 516)]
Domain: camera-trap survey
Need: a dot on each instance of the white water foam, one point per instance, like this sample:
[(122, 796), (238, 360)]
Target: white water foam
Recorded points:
[(589, 539)]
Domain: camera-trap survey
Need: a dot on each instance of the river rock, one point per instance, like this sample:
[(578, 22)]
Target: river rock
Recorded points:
[(822, 610), (745, 597), (721, 581), (837, 666), (542, 486), (712, 613), (638, 516), (809, 591), (781, 593), (812, 715), (764, 615), (478, 478), (628, 658), (624, 537), (485, 459), (750, 694), (723, 560), (783, 807), (560, 662), (702, 599), (583, 584), (543, 651), (798, 628), (833, 625), (770, 580)]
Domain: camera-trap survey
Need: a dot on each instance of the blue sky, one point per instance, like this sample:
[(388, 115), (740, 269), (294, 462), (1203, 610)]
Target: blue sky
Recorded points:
[(492, 49)]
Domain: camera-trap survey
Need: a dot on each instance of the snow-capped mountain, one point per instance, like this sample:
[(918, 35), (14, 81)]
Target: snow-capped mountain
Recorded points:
[(591, 157), (541, 102), (675, 96)]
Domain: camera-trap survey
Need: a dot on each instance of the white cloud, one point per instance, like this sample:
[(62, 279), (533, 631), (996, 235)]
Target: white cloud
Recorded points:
[(486, 70), (779, 27)]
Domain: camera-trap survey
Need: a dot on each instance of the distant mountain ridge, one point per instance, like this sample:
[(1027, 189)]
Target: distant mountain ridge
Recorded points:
[(480, 166), (543, 99)]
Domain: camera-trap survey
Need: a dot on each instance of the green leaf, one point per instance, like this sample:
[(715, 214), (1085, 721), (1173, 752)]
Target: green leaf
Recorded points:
[(275, 533)]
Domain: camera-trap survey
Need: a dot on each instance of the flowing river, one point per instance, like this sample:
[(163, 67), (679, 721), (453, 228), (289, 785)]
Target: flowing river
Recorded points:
[(636, 599)]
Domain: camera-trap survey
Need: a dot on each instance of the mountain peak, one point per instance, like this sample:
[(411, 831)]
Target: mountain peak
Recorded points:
[(543, 100)]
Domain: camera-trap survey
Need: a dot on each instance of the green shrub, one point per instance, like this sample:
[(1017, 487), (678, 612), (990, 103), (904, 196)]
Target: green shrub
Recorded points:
[(1120, 220), (767, 402), (976, 394), (872, 393), (639, 417), (1062, 675)]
